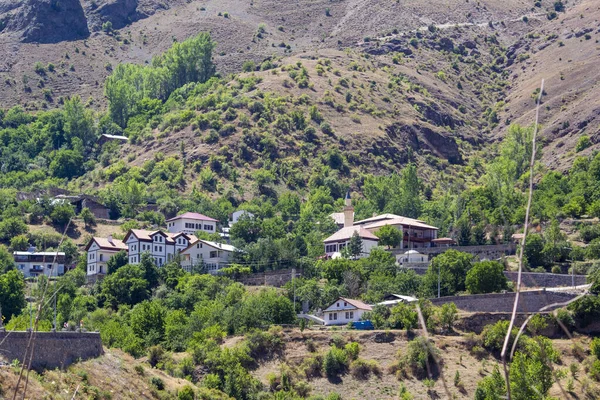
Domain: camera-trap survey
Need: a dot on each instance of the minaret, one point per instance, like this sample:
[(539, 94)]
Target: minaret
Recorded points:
[(348, 211)]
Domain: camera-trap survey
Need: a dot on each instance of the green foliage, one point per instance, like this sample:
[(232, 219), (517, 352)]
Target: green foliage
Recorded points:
[(452, 266), (389, 236), (486, 277), (420, 357), (12, 294), (126, 286), (335, 361), (184, 62)]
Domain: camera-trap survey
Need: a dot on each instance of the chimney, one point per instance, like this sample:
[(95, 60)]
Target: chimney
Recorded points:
[(110, 239), (348, 211)]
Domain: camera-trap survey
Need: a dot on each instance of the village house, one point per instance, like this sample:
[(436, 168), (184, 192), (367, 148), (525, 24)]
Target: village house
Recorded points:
[(191, 223), (343, 310), (413, 258), (34, 263), (210, 256), (99, 251), (162, 246), (415, 233)]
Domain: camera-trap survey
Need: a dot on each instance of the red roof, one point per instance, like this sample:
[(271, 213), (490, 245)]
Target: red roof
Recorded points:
[(193, 215), (356, 303), (105, 244), (347, 232)]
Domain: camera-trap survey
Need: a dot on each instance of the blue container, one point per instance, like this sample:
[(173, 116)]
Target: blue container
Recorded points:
[(363, 325)]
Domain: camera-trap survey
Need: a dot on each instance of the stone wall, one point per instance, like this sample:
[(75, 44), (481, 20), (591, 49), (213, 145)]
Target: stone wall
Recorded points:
[(533, 279), (269, 278), (536, 279), (491, 252), (530, 301), (51, 349)]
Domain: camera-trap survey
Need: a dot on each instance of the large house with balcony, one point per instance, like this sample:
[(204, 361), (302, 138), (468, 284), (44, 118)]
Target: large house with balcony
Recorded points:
[(35, 263), (162, 246), (99, 251), (191, 222), (416, 233), (206, 255)]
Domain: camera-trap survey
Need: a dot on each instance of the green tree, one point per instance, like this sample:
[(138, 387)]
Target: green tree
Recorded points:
[(389, 236), (12, 293), (19, 243), (116, 261), (148, 321), (355, 246), (453, 266), (62, 214), (126, 286), (486, 277), (11, 227), (66, 164), (79, 122), (7, 262), (88, 217), (534, 250)]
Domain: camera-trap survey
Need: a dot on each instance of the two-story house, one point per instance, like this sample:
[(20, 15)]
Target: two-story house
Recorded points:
[(212, 256), (34, 263), (99, 250), (343, 310), (162, 246), (191, 223)]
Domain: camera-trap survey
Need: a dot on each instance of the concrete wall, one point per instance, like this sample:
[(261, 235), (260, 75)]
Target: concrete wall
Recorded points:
[(530, 301), (51, 349)]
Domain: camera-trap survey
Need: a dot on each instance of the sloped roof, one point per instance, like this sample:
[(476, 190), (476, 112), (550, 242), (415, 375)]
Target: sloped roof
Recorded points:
[(411, 222), (144, 234), (105, 244), (356, 303), (219, 246), (347, 232), (193, 215), (377, 218)]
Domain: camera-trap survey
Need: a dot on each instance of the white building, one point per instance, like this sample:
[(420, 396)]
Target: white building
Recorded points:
[(235, 217), (413, 258), (99, 250), (392, 300), (345, 310), (34, 263), (212, 256), (335, 243), (161, 246), (191, 222)]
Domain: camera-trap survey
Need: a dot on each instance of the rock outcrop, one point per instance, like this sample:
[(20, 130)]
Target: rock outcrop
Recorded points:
[(47, 21)]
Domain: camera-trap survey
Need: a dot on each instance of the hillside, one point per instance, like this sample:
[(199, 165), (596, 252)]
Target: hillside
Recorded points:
[(119, 376)]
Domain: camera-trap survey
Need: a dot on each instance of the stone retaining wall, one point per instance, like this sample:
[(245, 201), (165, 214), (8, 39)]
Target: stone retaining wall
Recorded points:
[(491, 252), (51, 349), (533, 279), (531, 301), (269, 278)]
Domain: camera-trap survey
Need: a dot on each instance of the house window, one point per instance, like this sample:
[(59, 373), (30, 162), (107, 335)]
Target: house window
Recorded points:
[(335, 316), (337, 304), (208, 227), (101, 257), (349, 314), (345, 304), (213, 254)]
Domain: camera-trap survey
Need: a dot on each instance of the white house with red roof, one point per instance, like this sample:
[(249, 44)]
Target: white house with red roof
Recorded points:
[(344, 310), (99, 250), (191, 223), (162, 246), (336, 243)]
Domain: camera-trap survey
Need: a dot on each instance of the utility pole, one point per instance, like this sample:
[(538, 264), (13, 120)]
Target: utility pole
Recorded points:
[(55, 295), (294, 286), (439, 268)]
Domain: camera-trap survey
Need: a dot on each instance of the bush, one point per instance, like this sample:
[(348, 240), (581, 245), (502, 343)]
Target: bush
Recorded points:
[(419, 355), (155, 355), (352, 350), (361, 369), (157, 383), (583, 143), (447, 316), (595, 347), (486, 277), (493, 336), (186, 393), (335, 362), (556, 270)]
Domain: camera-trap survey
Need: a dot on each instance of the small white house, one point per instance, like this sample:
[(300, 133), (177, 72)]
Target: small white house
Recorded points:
[(99, 250), (211, 255), (235, 216), (338, 241), (191, 222), (343, 310), (413, 258), (35, 263)]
